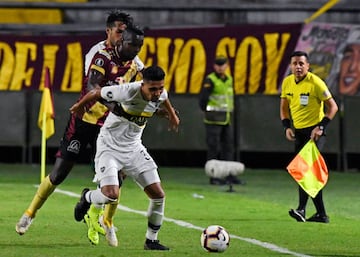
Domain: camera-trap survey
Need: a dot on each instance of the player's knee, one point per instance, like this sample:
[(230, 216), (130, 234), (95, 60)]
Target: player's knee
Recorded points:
[(110, 191), (160, 194), (111, 194), (98, 197), (155, 191)]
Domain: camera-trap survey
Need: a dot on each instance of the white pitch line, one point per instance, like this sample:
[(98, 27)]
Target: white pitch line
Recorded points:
[(185, 224)]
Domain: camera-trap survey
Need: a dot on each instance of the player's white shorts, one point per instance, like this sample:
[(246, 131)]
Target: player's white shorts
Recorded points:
[(137, 164)]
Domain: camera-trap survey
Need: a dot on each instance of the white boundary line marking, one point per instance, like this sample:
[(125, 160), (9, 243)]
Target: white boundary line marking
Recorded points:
[(185, 224)]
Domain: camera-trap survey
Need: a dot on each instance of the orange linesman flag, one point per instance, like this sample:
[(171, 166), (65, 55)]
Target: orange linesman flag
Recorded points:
[(47, 108), (309, 169)]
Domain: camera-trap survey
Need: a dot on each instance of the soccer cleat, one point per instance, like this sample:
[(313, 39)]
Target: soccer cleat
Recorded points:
[(299, 215), (94, 215), (110, 233), (82, 206), (155, 245), (217, 181), (319, 218), (234, 180), (92, 234), (23, 225)]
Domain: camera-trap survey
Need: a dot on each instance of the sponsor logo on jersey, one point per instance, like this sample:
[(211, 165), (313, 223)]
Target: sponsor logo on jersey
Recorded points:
[(99, 62), (74, 146)]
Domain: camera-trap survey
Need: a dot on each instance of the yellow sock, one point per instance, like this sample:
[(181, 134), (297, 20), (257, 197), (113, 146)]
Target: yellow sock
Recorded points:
[(109, 211), (45, 189)]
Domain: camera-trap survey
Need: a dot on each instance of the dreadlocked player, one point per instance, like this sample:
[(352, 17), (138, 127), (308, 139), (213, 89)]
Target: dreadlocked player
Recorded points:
[(81, 131)]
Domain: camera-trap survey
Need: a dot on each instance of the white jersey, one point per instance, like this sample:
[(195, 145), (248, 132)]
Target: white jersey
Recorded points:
[(119, 145), (122, 133), (100, 46)]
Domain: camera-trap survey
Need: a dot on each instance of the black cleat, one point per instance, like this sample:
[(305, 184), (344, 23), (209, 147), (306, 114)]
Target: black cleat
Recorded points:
[(82, 206), (234, 180), (299, 215), (217, 181), (155, 245), (318, 218)]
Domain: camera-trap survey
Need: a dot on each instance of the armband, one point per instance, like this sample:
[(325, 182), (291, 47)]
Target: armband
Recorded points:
[(323, 123), (286, 123)]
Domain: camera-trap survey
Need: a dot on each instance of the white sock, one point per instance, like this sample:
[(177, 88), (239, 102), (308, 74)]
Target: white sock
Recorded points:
[(97, 197), (155, 217)]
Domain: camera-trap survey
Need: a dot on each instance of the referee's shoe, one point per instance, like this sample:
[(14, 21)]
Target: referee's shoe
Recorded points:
[(299, 215)]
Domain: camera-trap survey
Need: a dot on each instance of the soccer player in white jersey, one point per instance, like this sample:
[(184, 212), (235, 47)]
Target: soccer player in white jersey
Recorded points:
[(119, 147), (81, 132)]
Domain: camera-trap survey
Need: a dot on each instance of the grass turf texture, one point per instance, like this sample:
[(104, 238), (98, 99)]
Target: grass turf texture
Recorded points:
[(257, 210)]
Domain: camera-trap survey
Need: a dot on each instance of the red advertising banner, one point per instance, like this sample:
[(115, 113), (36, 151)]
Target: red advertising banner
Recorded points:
[(258, 57)]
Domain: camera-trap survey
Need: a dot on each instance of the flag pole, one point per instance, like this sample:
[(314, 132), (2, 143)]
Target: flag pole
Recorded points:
[(322, 10), (46, 120), (43, 148)]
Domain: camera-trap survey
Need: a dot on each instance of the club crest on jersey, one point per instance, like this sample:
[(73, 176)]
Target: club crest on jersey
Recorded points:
[(109, 95), (99, 62), (74, 146)]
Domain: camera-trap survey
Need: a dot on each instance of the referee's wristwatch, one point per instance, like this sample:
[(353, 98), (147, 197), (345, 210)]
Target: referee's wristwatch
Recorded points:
[(321, 128)]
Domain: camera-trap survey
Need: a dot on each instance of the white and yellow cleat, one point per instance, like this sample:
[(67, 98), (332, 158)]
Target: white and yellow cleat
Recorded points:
[(23, 225), (110, 232)]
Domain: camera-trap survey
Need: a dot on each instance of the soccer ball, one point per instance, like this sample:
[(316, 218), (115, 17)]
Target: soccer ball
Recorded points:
[(215, 239)]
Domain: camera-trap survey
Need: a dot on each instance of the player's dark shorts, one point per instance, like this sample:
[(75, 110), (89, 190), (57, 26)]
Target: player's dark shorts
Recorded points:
[(77, 136)]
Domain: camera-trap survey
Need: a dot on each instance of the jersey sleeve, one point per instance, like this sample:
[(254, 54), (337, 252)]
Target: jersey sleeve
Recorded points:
[(100, 61), (284, 88), (139, 64), (323, 91), (89, 56), (164, 95), (115, 93)]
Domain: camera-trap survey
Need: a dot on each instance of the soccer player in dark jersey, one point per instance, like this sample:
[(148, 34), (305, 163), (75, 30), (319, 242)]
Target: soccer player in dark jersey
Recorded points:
[(82, 131)]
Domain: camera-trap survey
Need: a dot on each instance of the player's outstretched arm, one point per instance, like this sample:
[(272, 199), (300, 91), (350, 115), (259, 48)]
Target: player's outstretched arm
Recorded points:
[(174, 120), (92, 95)]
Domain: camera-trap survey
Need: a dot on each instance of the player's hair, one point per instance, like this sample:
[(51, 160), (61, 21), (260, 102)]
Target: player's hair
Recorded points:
[(117, 15), (132, 34), (300, 53), (153, 73), (135, 28)]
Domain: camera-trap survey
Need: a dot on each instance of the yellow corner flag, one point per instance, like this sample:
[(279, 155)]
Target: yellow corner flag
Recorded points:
[(46, 120), (309, 169), (46, 112)]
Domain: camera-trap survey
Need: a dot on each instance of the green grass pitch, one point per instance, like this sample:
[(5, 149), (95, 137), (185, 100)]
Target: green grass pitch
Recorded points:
[(255, 215)]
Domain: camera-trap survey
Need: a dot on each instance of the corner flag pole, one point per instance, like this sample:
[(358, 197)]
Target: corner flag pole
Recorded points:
[(46, 120), (43, 147), (322, 10)]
